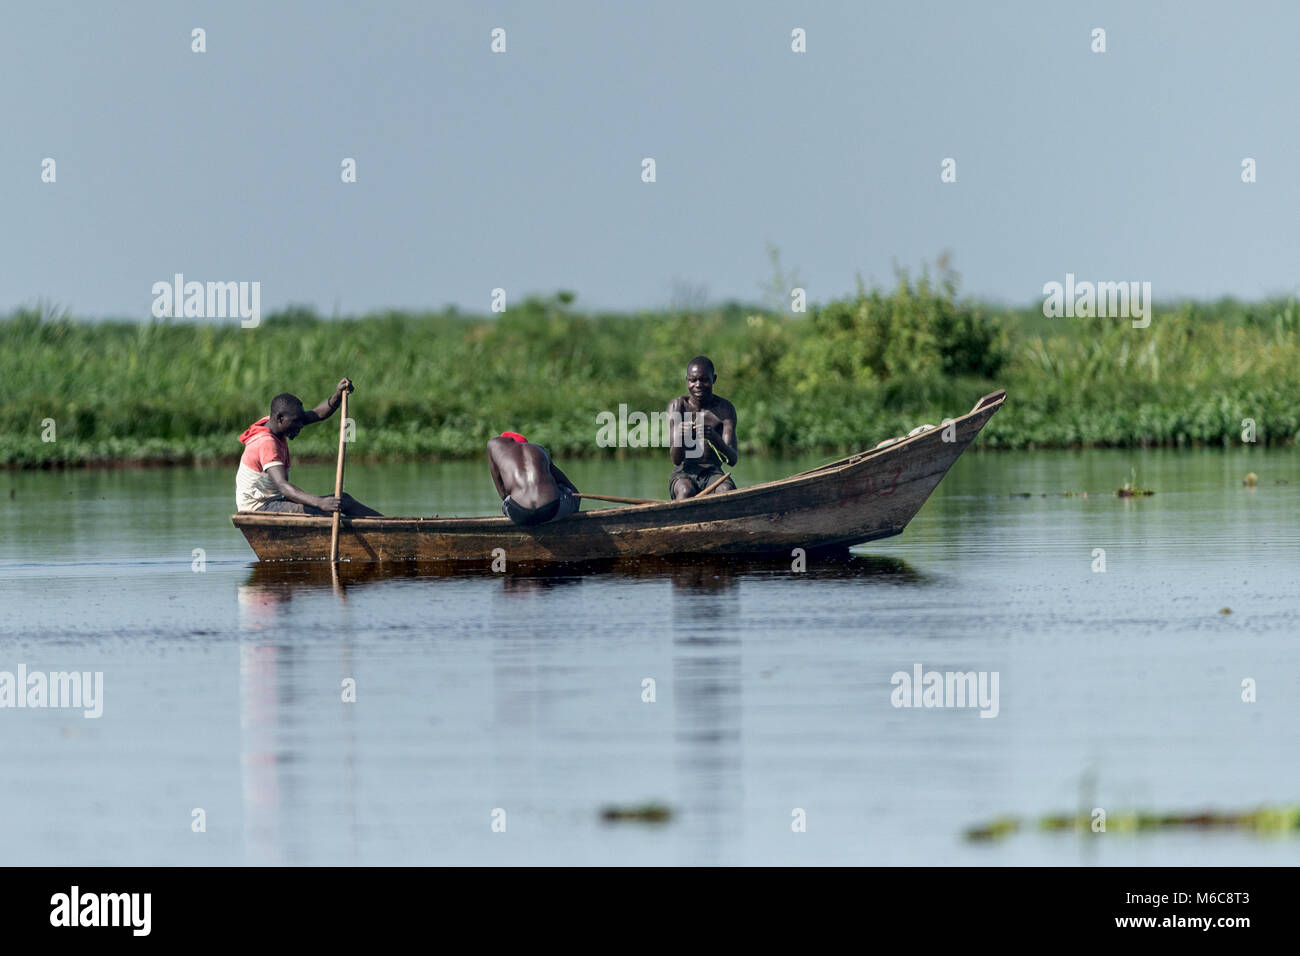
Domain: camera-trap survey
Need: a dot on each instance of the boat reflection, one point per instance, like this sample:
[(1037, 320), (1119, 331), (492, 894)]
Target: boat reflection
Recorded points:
[(300, 645), (272, 583)]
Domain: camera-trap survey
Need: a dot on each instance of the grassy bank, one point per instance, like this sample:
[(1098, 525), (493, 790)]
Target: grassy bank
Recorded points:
[(841, 377)]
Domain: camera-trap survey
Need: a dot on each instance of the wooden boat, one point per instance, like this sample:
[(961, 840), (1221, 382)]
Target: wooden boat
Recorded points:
[(867, 496)]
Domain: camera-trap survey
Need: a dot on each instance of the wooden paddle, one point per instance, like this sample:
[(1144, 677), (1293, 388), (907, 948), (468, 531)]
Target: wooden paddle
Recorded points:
[(653, 501), (338, 479), (623, 501), (713, 484)]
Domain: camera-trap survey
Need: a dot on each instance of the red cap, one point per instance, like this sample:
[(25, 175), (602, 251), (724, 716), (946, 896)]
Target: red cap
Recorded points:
[(516, 436)]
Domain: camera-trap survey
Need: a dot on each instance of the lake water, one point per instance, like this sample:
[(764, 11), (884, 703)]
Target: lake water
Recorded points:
[(523, 692)]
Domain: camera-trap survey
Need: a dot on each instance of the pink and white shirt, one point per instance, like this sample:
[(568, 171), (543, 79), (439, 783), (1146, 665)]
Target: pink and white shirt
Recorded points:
[(262, 450)]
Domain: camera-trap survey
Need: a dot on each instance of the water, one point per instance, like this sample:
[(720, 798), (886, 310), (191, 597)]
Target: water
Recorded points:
[(522, 693)]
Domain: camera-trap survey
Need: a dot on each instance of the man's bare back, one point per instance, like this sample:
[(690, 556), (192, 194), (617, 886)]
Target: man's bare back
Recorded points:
[(532, 489)]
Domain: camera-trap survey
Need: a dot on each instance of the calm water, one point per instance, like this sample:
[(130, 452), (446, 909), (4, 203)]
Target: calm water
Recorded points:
[(523, 693)]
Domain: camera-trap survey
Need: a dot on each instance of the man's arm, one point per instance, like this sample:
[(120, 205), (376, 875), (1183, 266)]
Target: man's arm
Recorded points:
[(730, 444), (720, 429), (294, 493), (496, 472), (676, 446), (562, 479), (326, 408)]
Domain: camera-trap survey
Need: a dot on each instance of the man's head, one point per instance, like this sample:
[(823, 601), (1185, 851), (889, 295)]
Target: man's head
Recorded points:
[(700, 377), (287, 416)]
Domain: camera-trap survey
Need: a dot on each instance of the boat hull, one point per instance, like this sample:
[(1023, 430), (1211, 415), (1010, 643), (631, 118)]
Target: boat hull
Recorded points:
[(862, 498)]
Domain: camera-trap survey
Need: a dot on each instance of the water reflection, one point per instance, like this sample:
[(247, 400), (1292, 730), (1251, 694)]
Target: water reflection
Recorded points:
[(524, 585), (270, 584), (706, 599), (261, 683), (707, 695), (276, 772), (260, 604), (708, 578)]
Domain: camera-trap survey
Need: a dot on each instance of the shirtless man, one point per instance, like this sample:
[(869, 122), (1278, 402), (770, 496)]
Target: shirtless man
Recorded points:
[(701, 419), (532, 489)]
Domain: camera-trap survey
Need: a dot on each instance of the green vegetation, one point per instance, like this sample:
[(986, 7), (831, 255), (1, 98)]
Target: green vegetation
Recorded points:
[(647, 813), (1272, 821), (1131, 489), (840, 378)]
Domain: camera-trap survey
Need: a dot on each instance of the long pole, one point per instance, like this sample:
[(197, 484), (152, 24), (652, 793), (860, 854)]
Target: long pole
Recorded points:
[(338, 478), (622, 501), (714, 484)]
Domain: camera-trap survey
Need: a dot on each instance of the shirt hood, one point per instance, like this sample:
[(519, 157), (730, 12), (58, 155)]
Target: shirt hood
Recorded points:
[(256, 430)]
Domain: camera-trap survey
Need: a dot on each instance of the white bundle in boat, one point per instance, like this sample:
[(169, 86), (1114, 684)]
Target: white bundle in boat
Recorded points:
[(915, 431)]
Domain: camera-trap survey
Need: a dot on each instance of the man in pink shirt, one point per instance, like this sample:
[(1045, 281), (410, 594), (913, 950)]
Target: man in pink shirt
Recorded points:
[(262, 482)]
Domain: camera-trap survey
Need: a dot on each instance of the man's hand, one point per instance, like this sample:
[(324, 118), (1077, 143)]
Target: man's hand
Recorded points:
[(330, 504), (327, 408), (709, 420)]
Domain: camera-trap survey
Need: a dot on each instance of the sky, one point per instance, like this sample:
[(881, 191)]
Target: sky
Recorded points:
[(522, 170)]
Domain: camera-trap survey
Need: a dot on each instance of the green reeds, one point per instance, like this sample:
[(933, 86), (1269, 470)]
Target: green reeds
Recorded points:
[(834, 380)]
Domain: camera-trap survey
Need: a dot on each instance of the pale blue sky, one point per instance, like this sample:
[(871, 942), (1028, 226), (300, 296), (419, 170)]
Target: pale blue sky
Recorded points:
[(522, 170)]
